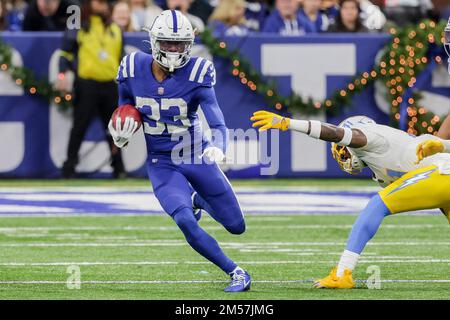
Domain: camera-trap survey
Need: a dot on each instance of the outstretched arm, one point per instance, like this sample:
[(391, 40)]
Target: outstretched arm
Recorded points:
[(332, 133), (320, 130), (214, 117)]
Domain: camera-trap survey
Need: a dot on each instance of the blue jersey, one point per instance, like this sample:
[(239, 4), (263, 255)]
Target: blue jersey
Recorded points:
[(169, 108), (221, 29), (276, 24), (320, 25)]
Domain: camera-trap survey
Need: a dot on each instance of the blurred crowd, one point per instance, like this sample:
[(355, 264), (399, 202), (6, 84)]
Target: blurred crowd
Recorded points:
[(235, 17)]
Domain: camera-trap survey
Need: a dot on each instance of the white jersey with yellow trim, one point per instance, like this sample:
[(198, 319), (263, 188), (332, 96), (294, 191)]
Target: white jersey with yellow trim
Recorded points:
[(390, 152)]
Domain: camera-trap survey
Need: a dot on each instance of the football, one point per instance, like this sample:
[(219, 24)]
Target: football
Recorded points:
[(126, 111)]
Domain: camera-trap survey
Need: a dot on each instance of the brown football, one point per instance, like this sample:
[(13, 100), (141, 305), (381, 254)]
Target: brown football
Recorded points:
[(126, 111)]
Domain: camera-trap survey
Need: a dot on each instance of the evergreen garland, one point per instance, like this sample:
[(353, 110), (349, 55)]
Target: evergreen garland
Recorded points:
[(404, 58), (25, 78)]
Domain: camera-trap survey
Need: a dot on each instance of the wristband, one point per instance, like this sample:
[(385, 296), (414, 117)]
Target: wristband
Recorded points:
[(315, 129), (347, 138), (299, 125), (311, 128)]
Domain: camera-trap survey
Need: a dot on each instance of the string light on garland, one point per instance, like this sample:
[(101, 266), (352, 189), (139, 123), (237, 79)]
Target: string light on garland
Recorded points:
[(404, 58), (24, 77)]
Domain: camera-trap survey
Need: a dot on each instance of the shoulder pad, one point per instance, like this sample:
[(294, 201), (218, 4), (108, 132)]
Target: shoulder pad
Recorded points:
[(127, 68), (203, 72)]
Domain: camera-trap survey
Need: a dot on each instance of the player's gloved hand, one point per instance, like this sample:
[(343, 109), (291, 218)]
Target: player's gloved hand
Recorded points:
[(121, 135), (269, 120), (428, 148), (213, 154)]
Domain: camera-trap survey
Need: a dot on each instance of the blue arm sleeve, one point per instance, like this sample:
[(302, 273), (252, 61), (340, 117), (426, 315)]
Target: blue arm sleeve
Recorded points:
[(125, 95), (214, 116)]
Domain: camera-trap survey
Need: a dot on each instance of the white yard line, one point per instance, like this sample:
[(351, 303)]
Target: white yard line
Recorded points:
[(122, 282), (157, 263), (350, 213), (210, 227), (237, 245)]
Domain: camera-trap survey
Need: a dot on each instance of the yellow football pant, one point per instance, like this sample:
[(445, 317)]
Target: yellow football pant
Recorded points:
[(420, 189)]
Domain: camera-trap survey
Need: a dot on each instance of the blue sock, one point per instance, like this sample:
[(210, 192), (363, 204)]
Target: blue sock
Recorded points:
[(367, 224), (200, 241)]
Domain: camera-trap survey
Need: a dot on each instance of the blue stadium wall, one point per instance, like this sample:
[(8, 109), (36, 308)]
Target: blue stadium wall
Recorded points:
[(34, 134)]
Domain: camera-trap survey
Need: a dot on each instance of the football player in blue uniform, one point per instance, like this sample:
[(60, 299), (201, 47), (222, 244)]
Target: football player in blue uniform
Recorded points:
[(167, 87)]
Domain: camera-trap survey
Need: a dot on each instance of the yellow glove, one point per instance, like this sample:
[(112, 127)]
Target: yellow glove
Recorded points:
[(428, 148), (269, 120)]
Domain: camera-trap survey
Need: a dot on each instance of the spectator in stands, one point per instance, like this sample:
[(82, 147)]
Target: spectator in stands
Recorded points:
[(15, 14), (228, 18), (310, 12), (138, 13), (371, 15), (121, 15), (47, 15), (151, 12), (201, 9), (97, 50), (348, 19), (198, 8), (256, 13), (404, 12), (331, 9), (285, 19), (183, 6)]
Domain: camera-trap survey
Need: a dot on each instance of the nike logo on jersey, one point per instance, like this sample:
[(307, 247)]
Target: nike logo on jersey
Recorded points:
[(414, 180)]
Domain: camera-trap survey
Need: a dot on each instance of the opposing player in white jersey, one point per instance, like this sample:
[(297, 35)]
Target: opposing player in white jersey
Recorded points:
[(413, 176)]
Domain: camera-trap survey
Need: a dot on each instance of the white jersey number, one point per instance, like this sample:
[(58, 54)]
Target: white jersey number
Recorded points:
[(156, 109)]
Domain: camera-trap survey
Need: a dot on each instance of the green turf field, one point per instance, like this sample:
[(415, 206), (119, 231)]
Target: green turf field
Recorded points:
[(145, 257)]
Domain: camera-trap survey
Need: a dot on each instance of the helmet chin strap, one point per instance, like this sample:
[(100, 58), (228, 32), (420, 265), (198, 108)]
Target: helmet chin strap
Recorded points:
[(169, 61)]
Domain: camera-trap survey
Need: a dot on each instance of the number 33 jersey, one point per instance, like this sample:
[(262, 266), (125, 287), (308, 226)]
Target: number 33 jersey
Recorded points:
[(169, 108)]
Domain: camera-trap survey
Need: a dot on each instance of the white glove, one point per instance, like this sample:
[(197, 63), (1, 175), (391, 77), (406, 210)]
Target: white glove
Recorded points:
[(121, 136), (213, 154)]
